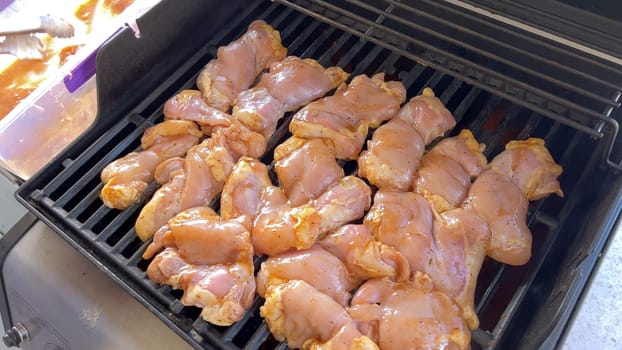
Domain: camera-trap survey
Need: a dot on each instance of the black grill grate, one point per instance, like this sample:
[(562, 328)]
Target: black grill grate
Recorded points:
[(557, 82), (66, 193)]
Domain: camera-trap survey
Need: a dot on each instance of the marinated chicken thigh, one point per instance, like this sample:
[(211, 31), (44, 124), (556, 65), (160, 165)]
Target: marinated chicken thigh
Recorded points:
[(309, 319), (365, 257), (445, 173), (210, 259), (342, 120), (242, 192), (189, 105), (236, 65), (305, 169), (314, 265), (279, 227), (409, 315), (427, 114), (126, 178)]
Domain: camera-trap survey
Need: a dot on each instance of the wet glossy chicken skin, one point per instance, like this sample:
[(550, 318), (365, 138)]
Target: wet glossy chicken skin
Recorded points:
[(288, 85), (202, 237), (314, 265), (165, 169), (428, 115), (279, 227), (237, 65), (365, 257), (445, 173), (296, 82), (224, 291), (206, 167), (403, 220), (392, 156), (189, 105), (126, 178), (530, 166), (449, 247), (309, 319), (242, 191), (305, 169), (342, 120), (400, 315), (504, 207), (210, 259)]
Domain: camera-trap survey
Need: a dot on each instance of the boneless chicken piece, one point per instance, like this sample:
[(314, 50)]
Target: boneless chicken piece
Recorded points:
[(392, 156), (342, 120), (126, 178), (242, 191), (333, 125), (206, 167), (305, 169), (296, 82), (164, 171), (504, 206), (189, 105), (403, 220), (365, 257), (314, 265), (288, 85), (279, 227), (461, 239), (427, 114), (450, 248), (237, 65), (400, 315), (223, 291), (445, 173), (210, 259), (530, 166), (309, 319)]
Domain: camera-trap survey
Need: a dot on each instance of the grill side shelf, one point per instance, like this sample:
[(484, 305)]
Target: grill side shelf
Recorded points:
[(556, 81)]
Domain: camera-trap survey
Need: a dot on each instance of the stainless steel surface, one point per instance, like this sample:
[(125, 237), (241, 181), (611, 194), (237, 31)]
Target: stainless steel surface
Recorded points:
[(65, 301)]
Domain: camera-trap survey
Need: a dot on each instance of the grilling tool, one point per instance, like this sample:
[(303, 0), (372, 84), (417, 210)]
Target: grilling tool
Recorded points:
[(19, 39)]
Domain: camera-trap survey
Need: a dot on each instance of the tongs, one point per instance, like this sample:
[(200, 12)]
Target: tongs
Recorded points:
[(19, 39)]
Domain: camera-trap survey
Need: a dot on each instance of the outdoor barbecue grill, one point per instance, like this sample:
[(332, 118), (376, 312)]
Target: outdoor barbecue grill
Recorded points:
[(499, 81)]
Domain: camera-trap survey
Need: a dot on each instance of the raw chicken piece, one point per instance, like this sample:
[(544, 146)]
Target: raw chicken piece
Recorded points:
[(210, 259), (224, 291), (403, 220), (288, 85), (305, 169), (409, 315), (189, 105), (342, 120), (280, 228), (365, 257), (237, 65), (427, 114), (371, 99), (315, 266), (296, 82), (323, 120), (392, 156), (445, 173), (450, 248), (309, 319), (243, 189), (530, 166), (164, 170), (126, 178), (504, 206), (206, 167)]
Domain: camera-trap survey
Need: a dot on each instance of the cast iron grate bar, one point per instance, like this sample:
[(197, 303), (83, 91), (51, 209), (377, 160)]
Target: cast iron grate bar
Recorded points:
[(542, 89)]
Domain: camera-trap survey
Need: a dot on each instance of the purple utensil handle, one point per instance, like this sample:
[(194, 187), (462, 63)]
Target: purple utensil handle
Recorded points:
[(82, 73)]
